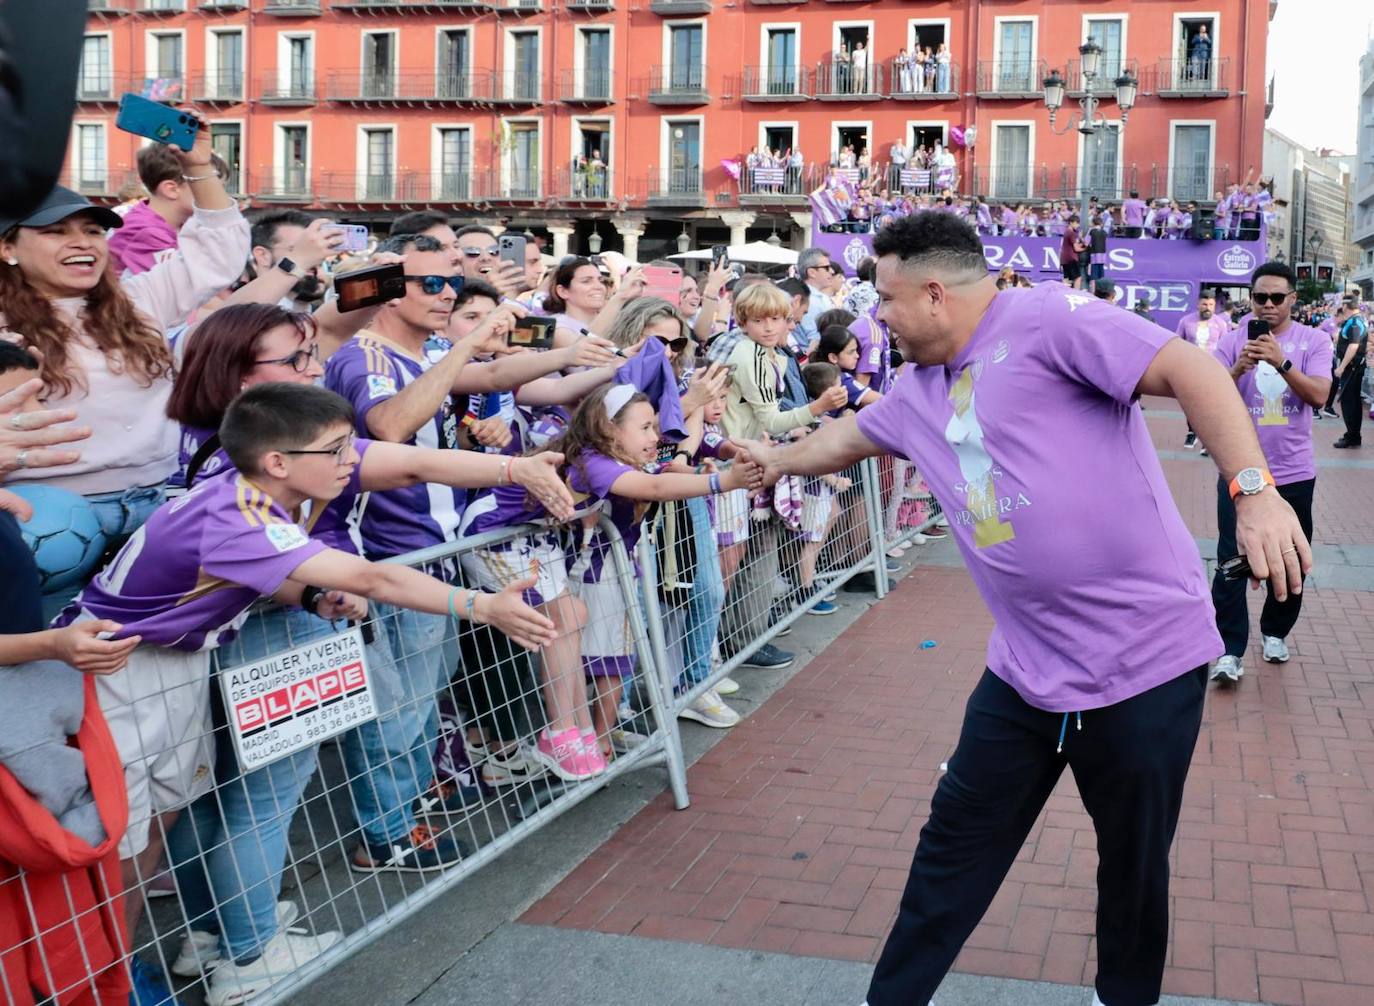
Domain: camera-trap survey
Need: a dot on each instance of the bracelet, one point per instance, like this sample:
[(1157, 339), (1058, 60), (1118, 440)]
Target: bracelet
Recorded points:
[(705, 297), (472, 606), (504, 477), (714, 482), (310, 597), (198, 178), (453, 612)]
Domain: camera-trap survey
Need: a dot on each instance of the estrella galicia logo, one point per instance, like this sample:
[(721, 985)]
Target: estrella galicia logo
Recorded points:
[(1236, 261), (854, 253)]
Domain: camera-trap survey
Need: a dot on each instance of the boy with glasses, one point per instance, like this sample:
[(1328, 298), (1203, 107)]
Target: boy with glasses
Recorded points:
[(1283, 375)]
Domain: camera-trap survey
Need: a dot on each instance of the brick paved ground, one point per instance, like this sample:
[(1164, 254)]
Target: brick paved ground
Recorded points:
[(803, 820)]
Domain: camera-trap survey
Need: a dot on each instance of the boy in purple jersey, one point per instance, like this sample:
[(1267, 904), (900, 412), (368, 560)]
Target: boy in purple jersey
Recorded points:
[(185, 581), (1022, 413)]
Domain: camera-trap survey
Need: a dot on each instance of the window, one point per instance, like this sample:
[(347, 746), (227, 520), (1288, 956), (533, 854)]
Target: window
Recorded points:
[(684, 157), (455, 163), (1191, 170), (295, 161), (596, 63), (1196, 60), (228, 81), (90, 158), (524, 54), (167, 62), (300, 66), (226, 139), (524, 160), (455, 64), (1110, 34), (591, 174), (1101, 163), (379, 151), (1011, 177), (782, 61), (685, 57), (378, 77), (1016, 56), (95, 80)]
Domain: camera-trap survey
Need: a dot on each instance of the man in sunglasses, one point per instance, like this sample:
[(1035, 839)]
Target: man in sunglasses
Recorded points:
[(481, 261), (1283, 375)]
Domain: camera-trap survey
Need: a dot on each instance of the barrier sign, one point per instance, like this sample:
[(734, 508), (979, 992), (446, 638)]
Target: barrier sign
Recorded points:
[(285, 702)]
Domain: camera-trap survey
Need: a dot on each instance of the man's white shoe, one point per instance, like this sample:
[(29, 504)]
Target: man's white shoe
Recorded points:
[(1228, 668), (1275, 650), (236, 983), (708, 710), (726, 686), (200, 951)]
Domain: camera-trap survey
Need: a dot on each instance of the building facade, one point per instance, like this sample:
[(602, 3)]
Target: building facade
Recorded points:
[(630, 118), (1363, 209), (1313, 205)]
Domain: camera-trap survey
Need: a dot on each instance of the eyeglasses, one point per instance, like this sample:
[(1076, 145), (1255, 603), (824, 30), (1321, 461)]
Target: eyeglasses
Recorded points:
[(676, 345), (339, 453), (479, 252), (299, 361), (1260, 299), (435, 284)]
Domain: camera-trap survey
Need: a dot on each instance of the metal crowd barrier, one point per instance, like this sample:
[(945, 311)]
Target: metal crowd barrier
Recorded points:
[(411, 720)]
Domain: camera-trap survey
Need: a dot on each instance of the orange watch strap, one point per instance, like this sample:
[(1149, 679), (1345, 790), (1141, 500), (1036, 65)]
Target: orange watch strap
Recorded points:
[(1235, 483)]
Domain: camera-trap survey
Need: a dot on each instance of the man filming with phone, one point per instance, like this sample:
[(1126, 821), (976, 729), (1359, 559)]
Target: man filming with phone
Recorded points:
[(1283, 372)]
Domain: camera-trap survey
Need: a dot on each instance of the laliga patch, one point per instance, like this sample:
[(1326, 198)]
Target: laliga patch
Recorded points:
[(285, 537), (380, 386)]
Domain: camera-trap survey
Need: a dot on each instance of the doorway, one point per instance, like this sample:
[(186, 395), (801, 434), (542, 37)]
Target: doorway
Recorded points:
[(853, 137)]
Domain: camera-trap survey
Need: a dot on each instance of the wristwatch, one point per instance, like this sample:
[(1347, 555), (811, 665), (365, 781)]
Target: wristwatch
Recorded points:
[(290, 268), (1250, 481), (1287, 366)]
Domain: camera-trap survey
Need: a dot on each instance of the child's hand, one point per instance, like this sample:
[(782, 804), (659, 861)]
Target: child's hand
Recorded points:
[(491, 432), (338, 604), (831, 399), (80, 646), (838, 482), (743, 475)]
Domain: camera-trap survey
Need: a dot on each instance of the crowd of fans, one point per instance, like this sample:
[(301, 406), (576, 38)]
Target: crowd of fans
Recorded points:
[(239, 437)]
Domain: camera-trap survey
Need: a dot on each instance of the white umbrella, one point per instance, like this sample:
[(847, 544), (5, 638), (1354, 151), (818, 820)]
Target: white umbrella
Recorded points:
[(760, 252)]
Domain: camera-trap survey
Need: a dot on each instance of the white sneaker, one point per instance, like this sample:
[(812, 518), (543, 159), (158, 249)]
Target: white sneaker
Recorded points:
[(235, 983), (726, 686), (200, 951), (1275, 650), (1228, 668), (624, 741), (708, 710)]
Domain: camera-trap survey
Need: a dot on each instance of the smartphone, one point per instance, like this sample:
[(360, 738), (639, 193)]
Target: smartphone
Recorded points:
[(370, 285), (1236, 568), (1256, 328), (663, 281), (156, 121), (532, 332), (512, 248), (355, 237), (719, 253)]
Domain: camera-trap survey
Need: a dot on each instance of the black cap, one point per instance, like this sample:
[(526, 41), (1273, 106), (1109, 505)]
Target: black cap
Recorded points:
[(1104, 288), (61, 204)]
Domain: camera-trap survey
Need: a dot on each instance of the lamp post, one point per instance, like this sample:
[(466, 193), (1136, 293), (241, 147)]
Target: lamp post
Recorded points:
[(1088, 122), (1316, 240)]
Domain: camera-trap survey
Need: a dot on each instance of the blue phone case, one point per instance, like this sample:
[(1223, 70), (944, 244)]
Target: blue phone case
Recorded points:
[(156, 121)]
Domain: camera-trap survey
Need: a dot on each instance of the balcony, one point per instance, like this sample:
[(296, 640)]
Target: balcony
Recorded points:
[(522, 7), (1011, 78), (589, 6), (1062, 181), (1188, 78), (224, 6), (109, 8), (585, 87), (775, 83), (285, 185), (223, 88), (426, 87), (670, 8), (414, 6), (677, 187), (100, 88), (515, 87), (583, 187), (1104, 84), (770, 186), (292, 8), (912, 83), (678, 85), (838, 81), (154, 7), (282, 92)]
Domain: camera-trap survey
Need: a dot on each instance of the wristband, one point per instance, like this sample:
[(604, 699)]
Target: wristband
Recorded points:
[(453, 612), (198, 178), (504, 477), (471, 606), (714, 482), (310, 597)]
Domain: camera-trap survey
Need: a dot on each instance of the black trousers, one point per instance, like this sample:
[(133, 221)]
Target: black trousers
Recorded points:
[(1129, 760), (1352, 405), (1228, 596), (1134, 232)]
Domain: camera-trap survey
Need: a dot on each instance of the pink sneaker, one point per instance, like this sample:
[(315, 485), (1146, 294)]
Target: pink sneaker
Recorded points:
[(562, 754), (592, 756)]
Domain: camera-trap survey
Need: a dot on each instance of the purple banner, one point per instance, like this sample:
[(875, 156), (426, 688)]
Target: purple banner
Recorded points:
[(1165, 273)]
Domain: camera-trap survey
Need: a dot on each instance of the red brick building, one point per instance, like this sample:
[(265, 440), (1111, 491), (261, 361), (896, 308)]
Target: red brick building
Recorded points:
[(365, 108)]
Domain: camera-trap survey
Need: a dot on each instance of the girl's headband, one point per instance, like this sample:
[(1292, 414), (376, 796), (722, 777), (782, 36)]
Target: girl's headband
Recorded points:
[(617, 398)]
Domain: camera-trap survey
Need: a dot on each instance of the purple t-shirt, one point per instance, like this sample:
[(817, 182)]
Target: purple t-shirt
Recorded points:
[(1282, 419), (1202, 334), (367, 371), (189, 575), (1133, 213), (875, 357), (590, 478), (192, 437), (1034, 445)]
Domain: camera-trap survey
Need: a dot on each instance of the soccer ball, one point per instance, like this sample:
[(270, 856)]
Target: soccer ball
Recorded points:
[(64, 535)]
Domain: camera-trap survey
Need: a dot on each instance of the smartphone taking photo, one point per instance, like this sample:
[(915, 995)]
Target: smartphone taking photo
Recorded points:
[(374, 284), (1256, 328), (156, 121), (531, 332)]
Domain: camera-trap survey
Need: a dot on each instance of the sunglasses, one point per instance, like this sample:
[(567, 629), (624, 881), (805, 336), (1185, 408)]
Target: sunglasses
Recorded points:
[(299, 361), (435, 284), (1260, 299), (479, 252), (340, 453), (677, 345)]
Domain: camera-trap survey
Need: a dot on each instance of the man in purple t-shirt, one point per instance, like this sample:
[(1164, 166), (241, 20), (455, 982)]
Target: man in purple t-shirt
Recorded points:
[(1282, 375), (1133, 215), (1021, 413), (1204, 330)]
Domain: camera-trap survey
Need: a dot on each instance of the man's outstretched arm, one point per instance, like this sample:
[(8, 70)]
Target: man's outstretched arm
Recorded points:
[(834, 448)]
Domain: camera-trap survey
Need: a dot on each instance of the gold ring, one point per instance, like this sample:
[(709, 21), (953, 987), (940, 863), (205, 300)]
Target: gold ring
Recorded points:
[(1287, 550)]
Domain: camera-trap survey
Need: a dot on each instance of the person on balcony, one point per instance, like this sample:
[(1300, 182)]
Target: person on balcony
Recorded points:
[(858, 63), (1200, 55), (918, 70), (842, 70), (901, 72), (942, 81), (795, 164), (596, 176)]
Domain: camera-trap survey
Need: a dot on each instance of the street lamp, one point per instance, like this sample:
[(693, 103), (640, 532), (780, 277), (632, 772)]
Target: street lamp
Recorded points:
[(594, 239), (684, 240), (1088, 122)]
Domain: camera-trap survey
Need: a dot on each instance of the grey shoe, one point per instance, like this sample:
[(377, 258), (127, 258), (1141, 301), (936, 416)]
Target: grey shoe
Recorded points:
[(1275, 650), (1228, 668)]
